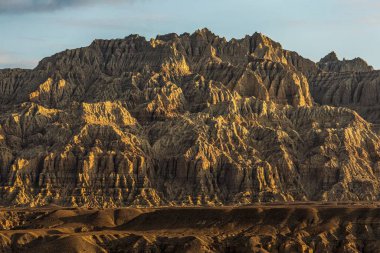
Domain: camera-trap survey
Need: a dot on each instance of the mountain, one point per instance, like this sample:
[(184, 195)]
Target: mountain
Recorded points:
[(349, 83), (331, 63), (189, 119)]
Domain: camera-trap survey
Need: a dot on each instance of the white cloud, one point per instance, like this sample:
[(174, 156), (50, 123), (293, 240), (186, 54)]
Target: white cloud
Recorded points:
[(24, 6)]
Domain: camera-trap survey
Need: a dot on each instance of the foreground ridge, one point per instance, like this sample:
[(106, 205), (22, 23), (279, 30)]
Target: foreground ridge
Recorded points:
[(189, 119), (283, 228)]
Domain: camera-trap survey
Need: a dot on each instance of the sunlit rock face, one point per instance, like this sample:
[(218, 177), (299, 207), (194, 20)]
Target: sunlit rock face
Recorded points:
[(189, 119)]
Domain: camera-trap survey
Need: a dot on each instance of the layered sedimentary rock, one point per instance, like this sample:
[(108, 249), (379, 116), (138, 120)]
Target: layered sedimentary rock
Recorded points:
[(356, 90), (348, 83), (179, 120)]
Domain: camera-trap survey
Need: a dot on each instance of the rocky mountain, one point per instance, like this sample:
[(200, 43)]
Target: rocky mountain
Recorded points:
[(331, 63), (349, 83), (189, 119)]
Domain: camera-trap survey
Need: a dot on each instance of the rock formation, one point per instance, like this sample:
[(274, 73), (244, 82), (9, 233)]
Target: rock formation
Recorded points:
[(189, 119), (331, 63), (349, 83)]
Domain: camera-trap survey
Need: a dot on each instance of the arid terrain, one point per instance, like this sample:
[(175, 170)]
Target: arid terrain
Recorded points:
[(189, 119), (185, 143), (266, 228)]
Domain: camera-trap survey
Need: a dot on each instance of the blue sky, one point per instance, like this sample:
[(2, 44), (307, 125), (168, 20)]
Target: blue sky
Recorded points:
[(33, 29)]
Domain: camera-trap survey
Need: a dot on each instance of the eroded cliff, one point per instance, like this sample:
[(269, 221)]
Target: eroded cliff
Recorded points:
[(189, 119), (348, 83)]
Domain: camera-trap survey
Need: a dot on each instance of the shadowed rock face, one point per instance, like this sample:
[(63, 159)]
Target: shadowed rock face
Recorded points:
[(349, 83), (246, 229), (180, 120), (331, 63)]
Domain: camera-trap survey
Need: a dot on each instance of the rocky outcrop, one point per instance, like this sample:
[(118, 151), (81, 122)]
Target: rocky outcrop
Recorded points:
[(348, 83), (189, 119), (356, 90), (331, 63)]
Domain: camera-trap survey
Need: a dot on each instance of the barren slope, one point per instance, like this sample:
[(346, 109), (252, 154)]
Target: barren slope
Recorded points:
[(292, 228), (179, 120)]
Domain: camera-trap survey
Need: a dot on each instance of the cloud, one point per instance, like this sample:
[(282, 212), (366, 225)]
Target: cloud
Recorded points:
[(25, 6)]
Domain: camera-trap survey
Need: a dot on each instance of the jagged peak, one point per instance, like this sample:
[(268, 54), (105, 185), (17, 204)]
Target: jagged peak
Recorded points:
[(332, 57), (134, 37), (258, 35), (167, 37), (329, 57), (204, 32), (263, 39), (359, 59), (332, 63)]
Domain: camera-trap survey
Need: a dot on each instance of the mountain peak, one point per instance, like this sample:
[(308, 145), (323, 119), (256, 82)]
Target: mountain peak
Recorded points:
[(331, 63), (167, 37), (134, 36), (329, 57), (204, 32)]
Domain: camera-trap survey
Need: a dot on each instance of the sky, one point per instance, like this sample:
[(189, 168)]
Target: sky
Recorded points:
[(33, 29)]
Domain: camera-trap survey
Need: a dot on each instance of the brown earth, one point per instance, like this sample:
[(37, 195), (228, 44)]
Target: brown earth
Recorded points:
[(294, 227), (189, 119)]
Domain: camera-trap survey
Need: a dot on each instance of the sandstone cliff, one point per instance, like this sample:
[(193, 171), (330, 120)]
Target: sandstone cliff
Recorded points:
[(189, 119)]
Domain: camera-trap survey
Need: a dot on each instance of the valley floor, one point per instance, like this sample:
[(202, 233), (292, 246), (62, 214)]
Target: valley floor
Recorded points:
[(293, 227)]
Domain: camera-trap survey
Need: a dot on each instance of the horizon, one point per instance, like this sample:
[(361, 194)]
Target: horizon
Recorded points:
[(191, 32), (35, 29)]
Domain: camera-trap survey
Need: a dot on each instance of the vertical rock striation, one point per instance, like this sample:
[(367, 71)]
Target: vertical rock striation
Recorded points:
[(189, 119)]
